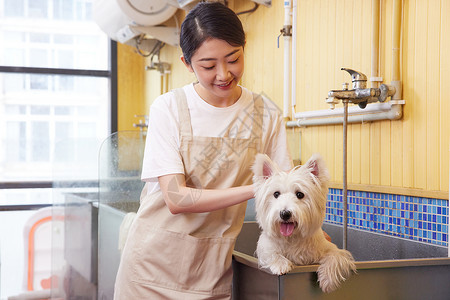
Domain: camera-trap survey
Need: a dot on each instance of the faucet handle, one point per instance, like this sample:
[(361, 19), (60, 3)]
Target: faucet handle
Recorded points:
[(358, 79), (355, 74)]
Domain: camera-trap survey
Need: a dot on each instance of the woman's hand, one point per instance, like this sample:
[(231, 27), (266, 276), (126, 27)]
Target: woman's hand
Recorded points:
[(182, 199)]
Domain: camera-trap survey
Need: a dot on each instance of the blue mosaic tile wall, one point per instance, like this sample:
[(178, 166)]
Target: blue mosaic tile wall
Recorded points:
[(416, 218)]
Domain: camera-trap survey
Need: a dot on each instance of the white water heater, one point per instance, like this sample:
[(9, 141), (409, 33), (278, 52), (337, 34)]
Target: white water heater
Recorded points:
[(123, 20)]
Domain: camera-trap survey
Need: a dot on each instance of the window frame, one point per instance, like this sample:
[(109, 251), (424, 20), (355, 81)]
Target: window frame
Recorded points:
[(111, 74)]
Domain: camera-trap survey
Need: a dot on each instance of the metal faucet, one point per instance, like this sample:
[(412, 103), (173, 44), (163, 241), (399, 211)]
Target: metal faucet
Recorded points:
[(359, 94)]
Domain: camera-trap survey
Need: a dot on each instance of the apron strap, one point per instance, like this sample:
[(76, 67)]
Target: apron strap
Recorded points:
[(185, 118), (183, 113), (258, 113)]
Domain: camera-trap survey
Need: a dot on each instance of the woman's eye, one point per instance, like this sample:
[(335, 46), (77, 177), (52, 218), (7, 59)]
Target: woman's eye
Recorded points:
[(208, 68), (276, 194), (299, 195), (234, 61)]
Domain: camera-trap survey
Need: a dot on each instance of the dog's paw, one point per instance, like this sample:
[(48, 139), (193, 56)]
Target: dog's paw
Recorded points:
[(281, 265), (335, 268)]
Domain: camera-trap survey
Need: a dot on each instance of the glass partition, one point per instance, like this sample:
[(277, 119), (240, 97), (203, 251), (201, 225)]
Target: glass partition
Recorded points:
[(74, 219), (120, 186), (87, 211)]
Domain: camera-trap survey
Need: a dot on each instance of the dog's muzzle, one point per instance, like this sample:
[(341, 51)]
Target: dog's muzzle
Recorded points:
[(286, 227)]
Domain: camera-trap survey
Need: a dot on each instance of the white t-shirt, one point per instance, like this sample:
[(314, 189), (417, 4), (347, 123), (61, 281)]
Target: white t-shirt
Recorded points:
[(162, 155)]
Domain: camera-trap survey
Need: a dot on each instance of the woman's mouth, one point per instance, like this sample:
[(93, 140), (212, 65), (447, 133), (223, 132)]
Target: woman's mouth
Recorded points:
[(224, 86)]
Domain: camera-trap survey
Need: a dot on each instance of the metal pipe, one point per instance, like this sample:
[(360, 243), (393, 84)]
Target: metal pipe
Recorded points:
[(287, 57), (286, 89), (375, 43), (294, 56), (396, 26), (344, 177), (396, 41), (352, 110), (395, 113)]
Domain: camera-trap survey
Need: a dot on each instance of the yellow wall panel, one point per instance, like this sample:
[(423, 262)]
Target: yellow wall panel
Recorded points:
[(323, 50), (365, 153), (444, 109), (432, 97), (338, 161), (420, 105), (322, 141), (302, 72), (153, 86), (375, 155), (350, 154), (269, 50), (256, 72), (330, 68), (314, 64), (396, 166), (356, 156), (131, 86), (408, 84), (330, 151), (385, 153)]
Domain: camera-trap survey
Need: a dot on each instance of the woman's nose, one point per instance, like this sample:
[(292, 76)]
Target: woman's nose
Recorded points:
[(222, 72)]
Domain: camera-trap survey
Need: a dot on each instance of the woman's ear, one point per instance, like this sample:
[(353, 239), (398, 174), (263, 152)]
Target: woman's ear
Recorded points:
[(188, 66)]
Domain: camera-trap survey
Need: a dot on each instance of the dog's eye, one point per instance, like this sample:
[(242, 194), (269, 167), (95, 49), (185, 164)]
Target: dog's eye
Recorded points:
[(276, 194), (300, 195)]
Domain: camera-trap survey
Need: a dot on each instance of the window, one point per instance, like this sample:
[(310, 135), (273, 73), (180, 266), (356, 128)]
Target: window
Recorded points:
[(56, 102), (55, 89)]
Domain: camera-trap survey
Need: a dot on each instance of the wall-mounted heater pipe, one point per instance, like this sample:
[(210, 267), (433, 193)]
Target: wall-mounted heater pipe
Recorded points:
[(294, 57), (287, 36), (394, 113)]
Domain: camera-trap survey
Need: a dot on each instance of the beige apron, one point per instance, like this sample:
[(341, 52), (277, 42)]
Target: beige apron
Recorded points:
[(188, 256)]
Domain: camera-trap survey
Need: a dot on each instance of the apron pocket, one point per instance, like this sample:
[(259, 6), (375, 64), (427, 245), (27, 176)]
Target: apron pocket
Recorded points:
[(207, 264), (157, 256), (181, 262)]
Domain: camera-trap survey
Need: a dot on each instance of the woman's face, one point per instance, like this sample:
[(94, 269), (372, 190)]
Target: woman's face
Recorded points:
[(218, 67)]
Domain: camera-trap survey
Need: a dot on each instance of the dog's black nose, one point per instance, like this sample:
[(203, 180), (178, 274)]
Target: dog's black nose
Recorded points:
[(285, 215)]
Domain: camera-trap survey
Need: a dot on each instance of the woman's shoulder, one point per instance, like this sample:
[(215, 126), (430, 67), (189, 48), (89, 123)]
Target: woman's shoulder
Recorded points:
[(164, 100)]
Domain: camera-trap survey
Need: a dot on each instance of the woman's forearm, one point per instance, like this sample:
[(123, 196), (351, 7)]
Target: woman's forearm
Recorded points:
[(182, 199)]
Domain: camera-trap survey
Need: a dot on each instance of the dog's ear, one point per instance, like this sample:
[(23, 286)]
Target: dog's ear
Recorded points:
[(316, 165), (263, 168)]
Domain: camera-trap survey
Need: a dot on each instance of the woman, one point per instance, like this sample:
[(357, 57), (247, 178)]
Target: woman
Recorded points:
[(200, 146)]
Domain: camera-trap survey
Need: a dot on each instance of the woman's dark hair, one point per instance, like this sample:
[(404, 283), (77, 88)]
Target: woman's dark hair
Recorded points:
[(209, 20)]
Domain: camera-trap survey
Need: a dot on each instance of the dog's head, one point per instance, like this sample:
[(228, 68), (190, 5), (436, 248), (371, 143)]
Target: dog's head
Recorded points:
[(290, 203)]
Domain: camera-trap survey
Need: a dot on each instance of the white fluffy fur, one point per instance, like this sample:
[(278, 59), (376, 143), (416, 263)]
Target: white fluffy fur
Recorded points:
[(307, 244)]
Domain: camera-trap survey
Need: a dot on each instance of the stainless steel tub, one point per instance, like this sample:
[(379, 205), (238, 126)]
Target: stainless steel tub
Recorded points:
[(388, 268)]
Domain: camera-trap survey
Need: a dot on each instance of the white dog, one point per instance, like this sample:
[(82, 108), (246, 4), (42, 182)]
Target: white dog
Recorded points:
[(290, 209)]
